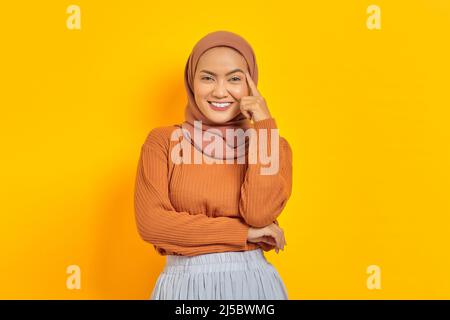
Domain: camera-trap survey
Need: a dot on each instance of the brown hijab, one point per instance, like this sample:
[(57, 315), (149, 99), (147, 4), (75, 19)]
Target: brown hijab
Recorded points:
[(193, 113)]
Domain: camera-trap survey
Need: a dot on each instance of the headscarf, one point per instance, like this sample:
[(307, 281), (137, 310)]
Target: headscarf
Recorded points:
[(193, 113)]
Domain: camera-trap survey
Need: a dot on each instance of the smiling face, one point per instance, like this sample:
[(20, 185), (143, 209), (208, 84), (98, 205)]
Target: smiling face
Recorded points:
[(220, 83)]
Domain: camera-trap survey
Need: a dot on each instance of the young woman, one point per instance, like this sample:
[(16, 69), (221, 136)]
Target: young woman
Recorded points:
[(214, 218)]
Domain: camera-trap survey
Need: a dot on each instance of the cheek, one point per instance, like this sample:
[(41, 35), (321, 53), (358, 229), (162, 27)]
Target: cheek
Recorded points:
[(201, 90), (239, 91)]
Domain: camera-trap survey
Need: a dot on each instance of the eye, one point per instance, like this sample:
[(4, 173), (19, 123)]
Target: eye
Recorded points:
[(236, 78), (206, 78)]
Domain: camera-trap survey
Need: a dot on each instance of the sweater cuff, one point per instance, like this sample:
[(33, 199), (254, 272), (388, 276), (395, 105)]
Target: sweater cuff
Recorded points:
[(267, 126), (239, 234), (268, 123)]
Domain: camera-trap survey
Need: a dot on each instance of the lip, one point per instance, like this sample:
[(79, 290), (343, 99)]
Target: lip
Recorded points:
[(220, 109)]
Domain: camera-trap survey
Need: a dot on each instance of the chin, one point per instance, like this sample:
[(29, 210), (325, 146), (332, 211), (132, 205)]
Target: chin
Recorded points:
[(219, 117)]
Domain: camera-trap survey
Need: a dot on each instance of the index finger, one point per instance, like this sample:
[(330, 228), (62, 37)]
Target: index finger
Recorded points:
[(253, 90)]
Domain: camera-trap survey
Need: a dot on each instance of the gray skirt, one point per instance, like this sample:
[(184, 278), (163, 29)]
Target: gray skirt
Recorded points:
[(232, 275)]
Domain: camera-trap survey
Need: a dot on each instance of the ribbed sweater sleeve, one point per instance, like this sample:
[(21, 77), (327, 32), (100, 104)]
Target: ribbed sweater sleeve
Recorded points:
[(263, 197), (157, 221)]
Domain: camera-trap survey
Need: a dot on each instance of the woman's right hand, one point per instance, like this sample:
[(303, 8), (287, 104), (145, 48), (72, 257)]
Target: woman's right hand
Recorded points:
[(271, 234)]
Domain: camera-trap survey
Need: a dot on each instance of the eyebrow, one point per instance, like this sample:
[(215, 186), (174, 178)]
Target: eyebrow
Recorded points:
[(232, 71)]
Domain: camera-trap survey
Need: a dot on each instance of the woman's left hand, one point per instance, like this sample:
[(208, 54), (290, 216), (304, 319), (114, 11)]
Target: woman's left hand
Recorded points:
[(268, 243), (254, 106)]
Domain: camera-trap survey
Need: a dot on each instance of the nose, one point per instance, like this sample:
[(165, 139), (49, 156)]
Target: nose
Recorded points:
[(220, 91)]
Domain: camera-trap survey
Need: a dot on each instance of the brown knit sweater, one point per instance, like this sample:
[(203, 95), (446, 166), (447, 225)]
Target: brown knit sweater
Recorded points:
[(191, 209)]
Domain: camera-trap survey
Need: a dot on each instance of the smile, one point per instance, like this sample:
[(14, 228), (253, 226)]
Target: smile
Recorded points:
[(219, 106)]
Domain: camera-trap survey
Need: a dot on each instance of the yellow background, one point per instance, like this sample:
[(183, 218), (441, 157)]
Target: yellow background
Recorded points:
[(365, 111)]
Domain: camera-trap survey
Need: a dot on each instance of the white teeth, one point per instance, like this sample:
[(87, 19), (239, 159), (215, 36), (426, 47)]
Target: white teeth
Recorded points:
[(220, 105)]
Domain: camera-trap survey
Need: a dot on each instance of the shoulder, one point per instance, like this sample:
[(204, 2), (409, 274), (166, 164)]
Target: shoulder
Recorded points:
[(284, 143), (286, 147), (160, 136)]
